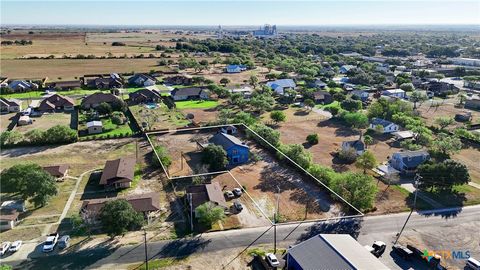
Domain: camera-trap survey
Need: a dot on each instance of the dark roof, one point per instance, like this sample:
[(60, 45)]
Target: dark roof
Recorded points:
[(99, 97), (357, 145), (8, 214), (11, 102), (321, 94), (316, 251), (56, 170), (147, 93), (141, 203), (201, 194), (382, 122), (140, 75), (118, 170), (189, 91), (226, 141), (54, 101), (412, 159)]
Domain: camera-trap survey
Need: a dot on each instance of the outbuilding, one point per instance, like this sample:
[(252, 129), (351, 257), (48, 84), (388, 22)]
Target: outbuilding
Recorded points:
[(94, 127)]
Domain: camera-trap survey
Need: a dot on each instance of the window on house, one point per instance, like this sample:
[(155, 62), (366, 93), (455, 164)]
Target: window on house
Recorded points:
[(234, 151)]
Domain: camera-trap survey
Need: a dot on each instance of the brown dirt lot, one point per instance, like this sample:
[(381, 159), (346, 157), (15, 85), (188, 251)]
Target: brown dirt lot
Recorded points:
[(5, 120), (470, 157), (429, 113)]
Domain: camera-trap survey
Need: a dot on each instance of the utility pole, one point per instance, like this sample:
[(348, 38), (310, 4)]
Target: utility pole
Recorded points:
[(417, 180), (275, 216), (146, 254)]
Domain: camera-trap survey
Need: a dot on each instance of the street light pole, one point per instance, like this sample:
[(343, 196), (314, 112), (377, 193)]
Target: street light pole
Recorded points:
[(417, 180), (146, 253)]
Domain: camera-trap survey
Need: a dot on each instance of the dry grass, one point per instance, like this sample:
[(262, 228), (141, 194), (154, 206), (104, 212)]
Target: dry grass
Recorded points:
[(5, 120), (470, 157), (20, 233), (46, 121)]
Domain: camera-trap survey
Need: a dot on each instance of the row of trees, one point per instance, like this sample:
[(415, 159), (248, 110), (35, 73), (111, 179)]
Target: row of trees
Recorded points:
[(54, 135)]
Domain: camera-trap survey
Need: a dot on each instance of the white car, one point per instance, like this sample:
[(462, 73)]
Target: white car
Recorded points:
[(229, 194), (15, 246), (272, 260), (50, 243), (4, 248), (237, 192)]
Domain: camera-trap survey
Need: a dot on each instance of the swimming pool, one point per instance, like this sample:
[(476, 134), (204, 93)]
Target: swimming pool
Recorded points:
[(151, 105)]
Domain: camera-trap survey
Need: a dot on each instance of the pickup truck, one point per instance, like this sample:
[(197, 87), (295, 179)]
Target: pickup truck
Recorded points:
[(50, 243)]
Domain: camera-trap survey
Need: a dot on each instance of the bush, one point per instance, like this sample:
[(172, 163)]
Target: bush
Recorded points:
[(356, 188), (297, 153), (163, 155), (348, 155), (270, 135), (312, 138)]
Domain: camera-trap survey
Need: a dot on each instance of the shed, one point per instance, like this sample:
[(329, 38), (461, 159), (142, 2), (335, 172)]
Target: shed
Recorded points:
[(94, 127)]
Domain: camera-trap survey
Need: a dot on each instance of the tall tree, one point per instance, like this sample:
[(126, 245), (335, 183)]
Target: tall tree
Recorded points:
[(357, 189), (118, 217), (209, 213), (366, 161), (443, 175), (445, 145), (215, 156), (416, 97)]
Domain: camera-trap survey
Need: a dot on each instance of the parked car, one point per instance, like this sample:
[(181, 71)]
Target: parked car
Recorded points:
[(229, 194), (377, 249), (63, 242), (238, 206), (402, 251), (272, 260), (4, 248), (15, 246), (473, 264), (50, 243), (237, 192)]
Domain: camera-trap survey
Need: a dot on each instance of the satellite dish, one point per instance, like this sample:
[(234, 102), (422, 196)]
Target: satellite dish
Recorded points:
[(190, 116)]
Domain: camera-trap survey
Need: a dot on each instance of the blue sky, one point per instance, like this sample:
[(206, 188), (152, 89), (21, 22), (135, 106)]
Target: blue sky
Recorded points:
[(343, 12)]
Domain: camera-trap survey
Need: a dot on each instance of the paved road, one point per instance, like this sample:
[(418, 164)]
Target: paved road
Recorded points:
[(386, 225)]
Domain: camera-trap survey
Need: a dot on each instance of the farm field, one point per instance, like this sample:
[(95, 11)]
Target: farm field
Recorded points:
[(158, 118), (46, 121)]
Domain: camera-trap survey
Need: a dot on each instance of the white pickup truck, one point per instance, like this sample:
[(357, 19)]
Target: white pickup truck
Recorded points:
[(50, 243)]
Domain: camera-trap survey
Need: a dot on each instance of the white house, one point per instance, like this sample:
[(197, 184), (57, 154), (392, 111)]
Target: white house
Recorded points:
[(387, 126), (279, 86), (94, 127), (398, 93), (358, 145)]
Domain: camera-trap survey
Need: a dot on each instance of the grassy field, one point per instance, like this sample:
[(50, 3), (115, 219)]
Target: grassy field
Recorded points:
[(196, 104), (158, 118), (40, 94), (46, 121)]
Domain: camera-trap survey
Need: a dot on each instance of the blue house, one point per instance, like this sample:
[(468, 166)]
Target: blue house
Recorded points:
[(345, 68), (235, 68), (237, 151), (408, 161)]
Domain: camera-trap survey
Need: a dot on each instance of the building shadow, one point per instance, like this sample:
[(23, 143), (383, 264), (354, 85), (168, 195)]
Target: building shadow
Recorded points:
[(349, 226)]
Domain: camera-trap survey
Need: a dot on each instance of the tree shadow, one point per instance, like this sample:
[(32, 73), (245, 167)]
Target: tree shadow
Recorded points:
[(349, 226), (182, 248), (452, 199)]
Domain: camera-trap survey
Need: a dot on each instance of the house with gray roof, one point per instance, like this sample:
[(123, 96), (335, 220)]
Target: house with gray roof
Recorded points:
[(10, 105), (237, 151), (189, 93), (357, 145), (142, 79), (387, 126), (407, 162), (22, 86), (331, 251), (279, 86), (345, 68)]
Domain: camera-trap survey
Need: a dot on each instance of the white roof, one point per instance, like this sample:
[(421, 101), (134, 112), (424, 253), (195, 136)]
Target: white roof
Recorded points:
[(24, 118), (403, 134), (394, 91), (35, 103), (94, 124)]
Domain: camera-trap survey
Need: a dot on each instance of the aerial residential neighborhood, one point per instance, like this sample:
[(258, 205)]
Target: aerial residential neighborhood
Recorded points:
[(257, 135)]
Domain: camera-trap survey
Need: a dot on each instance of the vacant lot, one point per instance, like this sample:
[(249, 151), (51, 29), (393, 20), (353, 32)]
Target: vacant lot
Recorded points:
[(470, 156), (300, 198), (202, 116), (445, 108), (46, 121), (160, 117), (77, 155)]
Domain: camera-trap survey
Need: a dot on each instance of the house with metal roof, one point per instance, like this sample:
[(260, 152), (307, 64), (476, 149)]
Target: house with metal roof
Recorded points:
[(279, 86), (387, 126), (94, 127), (331, 251), (397, 93), (237, 151), (407, 162)]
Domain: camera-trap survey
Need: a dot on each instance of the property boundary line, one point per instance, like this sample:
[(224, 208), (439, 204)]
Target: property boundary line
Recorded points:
[(361, 214)]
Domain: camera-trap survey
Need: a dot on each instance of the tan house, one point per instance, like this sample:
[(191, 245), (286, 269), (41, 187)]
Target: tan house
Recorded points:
[(57, 171), (118, 173)]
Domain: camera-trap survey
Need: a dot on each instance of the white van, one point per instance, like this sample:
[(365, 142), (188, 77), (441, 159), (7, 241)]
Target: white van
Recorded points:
[(473, 264)]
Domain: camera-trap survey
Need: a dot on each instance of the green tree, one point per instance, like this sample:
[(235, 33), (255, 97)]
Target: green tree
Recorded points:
[(162, 153), (224, 81), (309, 103), (209, 213), (416, 97), (445, 145), (366, 161), (356, 188), (215, 156), (322, 173), (312, 138), (348, 155), (407, 87), (356, 120), (278, 116), (253, 81), (10, 137), (118, 217), (368, 140), (444, 121), (60, 134), (351, 105), (270, 135), (30, 181), (297, 153), (461, 99), (104, 108), (443, 175)]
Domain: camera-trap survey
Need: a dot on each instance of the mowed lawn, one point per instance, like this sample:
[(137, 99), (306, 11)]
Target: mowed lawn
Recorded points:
[(40, 94), (109, 129), (196, 104)]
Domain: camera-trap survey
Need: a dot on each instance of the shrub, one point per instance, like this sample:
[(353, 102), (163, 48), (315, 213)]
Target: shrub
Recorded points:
[(163, 155), (348, 155), (312, 138)]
